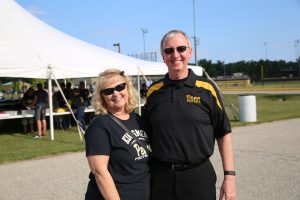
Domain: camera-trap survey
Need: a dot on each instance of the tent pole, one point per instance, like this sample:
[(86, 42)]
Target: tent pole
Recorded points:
[(80, 130), (50, 104), (139, 95), (143, 75)]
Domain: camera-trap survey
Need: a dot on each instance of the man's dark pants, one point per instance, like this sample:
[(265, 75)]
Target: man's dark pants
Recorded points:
[(196, 183)]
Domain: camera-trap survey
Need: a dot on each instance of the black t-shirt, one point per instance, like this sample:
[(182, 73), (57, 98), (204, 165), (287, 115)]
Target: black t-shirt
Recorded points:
[(27, 99), (60, 99), (184, 119), (42, 96), (128, 161), (84, 94)]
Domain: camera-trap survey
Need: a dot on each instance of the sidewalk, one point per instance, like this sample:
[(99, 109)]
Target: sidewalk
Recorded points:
[(267, 160)]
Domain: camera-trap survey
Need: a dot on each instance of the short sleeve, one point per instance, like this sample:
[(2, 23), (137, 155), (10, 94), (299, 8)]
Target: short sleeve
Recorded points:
[(221, 121), (97, 140)]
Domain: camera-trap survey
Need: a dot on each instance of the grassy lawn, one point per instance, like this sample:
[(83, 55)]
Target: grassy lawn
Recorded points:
[(14, 145), (269, 108), (19, 146), (261, 86)]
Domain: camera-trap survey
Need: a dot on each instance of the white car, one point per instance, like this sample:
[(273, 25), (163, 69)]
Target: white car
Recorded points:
[(1, 95)]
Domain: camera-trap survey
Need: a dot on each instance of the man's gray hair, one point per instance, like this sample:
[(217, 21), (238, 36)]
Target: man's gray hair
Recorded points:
[(170, 35)]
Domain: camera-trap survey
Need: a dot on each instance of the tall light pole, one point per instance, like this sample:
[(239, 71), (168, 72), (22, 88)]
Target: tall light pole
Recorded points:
[(195, 39), (266, 50), (144, 30), (297, 49), (298, 54), (266, 58), (117, 45)]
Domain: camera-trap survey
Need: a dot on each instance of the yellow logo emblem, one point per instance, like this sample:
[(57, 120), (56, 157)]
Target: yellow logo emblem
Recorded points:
[(192, 99)]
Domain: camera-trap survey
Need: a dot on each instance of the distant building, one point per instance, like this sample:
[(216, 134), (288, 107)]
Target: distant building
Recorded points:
[(237, 79)]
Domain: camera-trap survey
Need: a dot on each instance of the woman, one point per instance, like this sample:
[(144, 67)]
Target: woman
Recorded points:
[(118, 168)]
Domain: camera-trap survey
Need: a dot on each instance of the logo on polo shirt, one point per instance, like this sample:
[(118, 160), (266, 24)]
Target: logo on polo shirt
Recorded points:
[(192, 99)]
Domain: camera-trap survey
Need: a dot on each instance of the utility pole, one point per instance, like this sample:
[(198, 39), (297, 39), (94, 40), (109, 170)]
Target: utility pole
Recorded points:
[(262, 67), (195, 39), (224, 74), (298, 54), (298, 50), (266, 50)]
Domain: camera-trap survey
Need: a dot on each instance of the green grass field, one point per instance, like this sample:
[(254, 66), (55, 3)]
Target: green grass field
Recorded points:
[(19, 146), (261, 86), (15, 145), (269, 108)]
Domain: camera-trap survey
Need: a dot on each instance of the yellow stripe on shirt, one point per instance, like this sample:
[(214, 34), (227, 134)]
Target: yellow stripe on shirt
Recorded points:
[(209, 87), (154, 87)]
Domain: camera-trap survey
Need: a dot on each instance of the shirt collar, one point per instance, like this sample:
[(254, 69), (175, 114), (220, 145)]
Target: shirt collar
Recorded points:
[(189, 81)]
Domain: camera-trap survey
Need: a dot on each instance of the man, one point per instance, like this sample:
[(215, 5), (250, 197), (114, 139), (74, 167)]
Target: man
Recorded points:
[(185, 115), (143, 90), (40, 102), (67, 91), (81, 97)]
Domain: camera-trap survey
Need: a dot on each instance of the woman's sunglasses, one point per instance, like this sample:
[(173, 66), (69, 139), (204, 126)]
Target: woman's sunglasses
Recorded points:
[(109, 91), (179, 49)]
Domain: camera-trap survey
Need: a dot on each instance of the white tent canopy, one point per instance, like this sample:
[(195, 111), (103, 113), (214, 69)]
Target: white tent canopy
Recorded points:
[(29, 48)]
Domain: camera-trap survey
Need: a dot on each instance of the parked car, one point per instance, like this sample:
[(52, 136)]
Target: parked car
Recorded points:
[(1, 95)]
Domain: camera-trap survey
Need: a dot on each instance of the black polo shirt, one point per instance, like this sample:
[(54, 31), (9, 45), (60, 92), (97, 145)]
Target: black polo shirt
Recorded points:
[(184, 118)]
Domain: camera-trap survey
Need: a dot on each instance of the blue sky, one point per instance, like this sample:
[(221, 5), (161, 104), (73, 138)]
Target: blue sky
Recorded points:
[(228, 30)]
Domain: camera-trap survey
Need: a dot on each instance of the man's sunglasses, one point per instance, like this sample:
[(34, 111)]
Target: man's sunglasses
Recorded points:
[(109, 91), (179, 49)]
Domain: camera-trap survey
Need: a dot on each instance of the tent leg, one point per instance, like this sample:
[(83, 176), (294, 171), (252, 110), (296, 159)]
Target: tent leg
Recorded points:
[(139, 87), (50, 108)]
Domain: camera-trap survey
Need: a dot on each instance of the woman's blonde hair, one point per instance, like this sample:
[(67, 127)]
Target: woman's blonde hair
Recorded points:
[(98, 101)]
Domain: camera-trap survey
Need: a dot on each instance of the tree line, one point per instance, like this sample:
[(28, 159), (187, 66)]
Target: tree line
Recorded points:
[(256, 70)]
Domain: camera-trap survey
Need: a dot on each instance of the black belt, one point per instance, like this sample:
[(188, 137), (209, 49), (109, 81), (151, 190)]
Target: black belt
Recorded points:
[(175, 166)]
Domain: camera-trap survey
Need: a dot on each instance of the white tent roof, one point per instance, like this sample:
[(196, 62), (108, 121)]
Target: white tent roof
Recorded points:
[(29, 48)]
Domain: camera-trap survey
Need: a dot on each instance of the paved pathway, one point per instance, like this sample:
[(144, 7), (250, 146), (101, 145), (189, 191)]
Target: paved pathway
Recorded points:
[(267, 159), (267, 163)]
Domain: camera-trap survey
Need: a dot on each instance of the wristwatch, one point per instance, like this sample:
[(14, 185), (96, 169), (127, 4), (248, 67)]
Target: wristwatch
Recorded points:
[(231, 173)]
